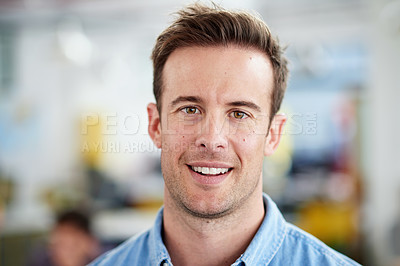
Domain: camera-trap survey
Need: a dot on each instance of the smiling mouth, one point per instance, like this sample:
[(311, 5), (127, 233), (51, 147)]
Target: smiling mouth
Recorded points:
[(209, 170)]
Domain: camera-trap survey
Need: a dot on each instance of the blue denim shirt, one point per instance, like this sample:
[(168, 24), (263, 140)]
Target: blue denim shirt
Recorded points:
[(275, 243)]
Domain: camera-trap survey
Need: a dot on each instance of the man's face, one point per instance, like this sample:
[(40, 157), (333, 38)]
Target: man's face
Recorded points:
[(213, 128)]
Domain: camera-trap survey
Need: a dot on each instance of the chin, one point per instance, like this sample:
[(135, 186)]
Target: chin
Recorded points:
[(208, 214), (206, 208)]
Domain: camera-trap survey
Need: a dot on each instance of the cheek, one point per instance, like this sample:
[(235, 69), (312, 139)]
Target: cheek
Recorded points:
[(176, 142), (250, 144)]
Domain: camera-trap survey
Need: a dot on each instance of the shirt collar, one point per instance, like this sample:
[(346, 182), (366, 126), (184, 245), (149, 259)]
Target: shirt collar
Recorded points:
[(261, 250), (158, 251), (268, 238)]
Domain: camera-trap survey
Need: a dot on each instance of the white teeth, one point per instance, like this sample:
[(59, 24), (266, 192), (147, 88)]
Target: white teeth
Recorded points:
[(210, 170)]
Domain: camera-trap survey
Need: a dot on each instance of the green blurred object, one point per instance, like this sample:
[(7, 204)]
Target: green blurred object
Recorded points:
[(15, 249), (6, 191)]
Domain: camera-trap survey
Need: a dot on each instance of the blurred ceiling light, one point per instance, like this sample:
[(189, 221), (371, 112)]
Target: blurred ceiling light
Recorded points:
[(314, 59), (73, 42)]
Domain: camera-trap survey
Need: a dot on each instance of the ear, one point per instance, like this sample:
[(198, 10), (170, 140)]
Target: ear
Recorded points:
[(154, 128), (274, 134)]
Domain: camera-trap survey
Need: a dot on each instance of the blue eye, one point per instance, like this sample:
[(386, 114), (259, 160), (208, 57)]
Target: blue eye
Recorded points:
[(191, 110), (239, 115)]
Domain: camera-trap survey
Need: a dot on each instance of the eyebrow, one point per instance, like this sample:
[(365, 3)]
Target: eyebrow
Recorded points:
[(245, 104), (199, 100), (186, 99)]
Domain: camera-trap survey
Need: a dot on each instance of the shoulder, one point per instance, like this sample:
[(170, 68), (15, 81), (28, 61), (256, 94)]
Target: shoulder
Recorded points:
[(301, 248), (134, 251)]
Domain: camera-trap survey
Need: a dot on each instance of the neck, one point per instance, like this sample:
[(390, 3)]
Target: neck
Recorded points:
[(197, 241)]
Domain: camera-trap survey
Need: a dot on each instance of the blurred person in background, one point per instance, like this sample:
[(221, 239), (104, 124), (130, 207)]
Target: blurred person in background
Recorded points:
[(219, 80), (71, 242)]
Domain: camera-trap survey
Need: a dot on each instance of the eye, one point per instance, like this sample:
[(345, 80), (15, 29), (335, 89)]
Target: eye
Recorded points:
[(191, 110), (239, 115)]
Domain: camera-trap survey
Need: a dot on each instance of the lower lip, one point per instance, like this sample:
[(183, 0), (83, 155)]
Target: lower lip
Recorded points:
[(208, 179)]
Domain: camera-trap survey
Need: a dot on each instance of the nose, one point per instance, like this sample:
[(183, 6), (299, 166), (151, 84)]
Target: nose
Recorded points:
[(212, 135)]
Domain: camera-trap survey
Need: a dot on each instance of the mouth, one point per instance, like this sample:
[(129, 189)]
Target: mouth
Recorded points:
[(210, 170), (207, 175)]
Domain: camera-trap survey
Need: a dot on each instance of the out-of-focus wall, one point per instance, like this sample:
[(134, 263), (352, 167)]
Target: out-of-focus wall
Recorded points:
[(381, 124)]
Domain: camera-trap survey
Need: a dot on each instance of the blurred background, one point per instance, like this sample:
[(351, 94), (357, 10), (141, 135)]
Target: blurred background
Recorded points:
[(75, 79)]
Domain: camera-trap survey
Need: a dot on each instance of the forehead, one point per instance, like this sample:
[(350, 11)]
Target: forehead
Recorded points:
[(217, 71), (226, 58)]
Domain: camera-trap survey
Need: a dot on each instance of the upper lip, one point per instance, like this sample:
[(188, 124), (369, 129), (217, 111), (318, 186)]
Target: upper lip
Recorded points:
[(210, 164)]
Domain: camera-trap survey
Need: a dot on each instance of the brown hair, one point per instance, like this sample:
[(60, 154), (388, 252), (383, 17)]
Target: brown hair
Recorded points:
[(199, 25)]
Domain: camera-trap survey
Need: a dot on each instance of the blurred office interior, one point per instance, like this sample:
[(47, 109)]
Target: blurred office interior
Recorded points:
[(75, 79)]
